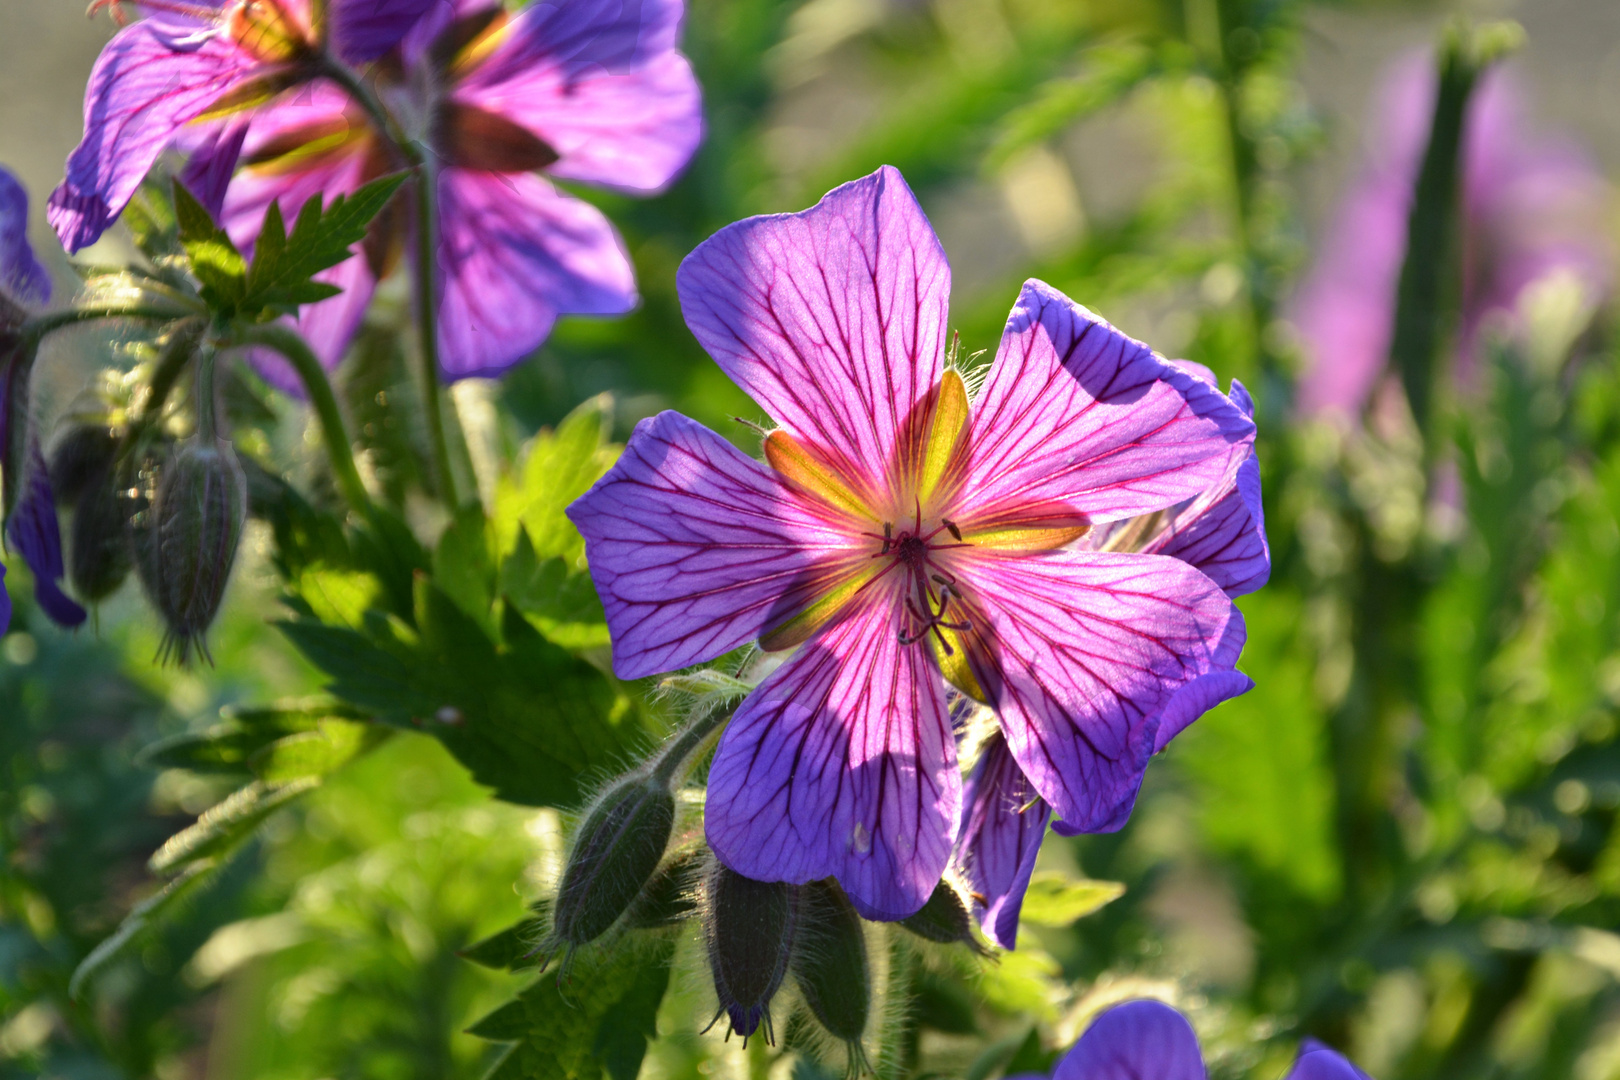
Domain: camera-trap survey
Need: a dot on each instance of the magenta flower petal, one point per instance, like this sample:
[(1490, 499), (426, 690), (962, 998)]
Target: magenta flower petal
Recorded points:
[(1316, 1061), (23, 280), (151, 79), (213, 160), (833, 319), (514, 254), (1223, 531), (842, 763), (694, 547), (37, 535), (364, 30), (1076, 414), (1139, 1040), (621, 109), (1088, 648), (1003, 823)]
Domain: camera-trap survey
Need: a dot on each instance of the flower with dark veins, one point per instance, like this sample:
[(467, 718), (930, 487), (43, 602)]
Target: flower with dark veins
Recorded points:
[(904, 537), (593, 91), (191, 74)]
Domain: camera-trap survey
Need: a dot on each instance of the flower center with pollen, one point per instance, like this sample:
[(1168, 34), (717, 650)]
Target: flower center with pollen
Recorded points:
[(929, 587)]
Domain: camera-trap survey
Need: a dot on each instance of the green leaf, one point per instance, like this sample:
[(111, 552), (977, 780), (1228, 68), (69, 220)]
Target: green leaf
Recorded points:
[(600, 1015), (512, 949), (283, 263), (226, 826), (214, 259), (1055, 900), (151, 221), (559, 467), (560, 602), (315, 753), (138, 925), (463, 566), (1109, 72)]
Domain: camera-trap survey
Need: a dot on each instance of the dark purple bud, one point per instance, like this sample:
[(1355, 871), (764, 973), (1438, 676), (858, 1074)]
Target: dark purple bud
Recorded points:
[(616, 850), (81, 457), (35, 533), (830, 966), (671, 896), (749, 928), (191, 532), (16, 364), (945, 919), (99, 546)]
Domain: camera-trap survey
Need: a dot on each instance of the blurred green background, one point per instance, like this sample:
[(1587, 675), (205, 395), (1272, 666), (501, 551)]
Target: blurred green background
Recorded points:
[(1403, 841)]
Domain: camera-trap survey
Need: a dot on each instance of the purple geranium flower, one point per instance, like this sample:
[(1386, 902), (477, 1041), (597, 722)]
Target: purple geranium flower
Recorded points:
[(1531, 207), (24, 286), (591, 91), (1145, 1039), (194, 62), (1222, 533), (905, 536)]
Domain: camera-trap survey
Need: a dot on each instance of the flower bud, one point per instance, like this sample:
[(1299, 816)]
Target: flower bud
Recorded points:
[(192, 530), (749, 928), (616, 850), (671, 896), (99, 551), (945, 919), (81, 458), (830, 967)]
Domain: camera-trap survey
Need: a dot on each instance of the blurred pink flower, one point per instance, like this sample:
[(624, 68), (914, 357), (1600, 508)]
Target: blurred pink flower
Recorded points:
[(1532, 205)]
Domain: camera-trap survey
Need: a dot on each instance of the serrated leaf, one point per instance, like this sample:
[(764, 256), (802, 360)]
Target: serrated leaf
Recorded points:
[(337, 597), (150, 219), (215, 262), (558, 468), (1055, 900), (561, 602), (512, 949), (463, 567), (315, 753), (283, 263), (226, 826), (599, 1016)]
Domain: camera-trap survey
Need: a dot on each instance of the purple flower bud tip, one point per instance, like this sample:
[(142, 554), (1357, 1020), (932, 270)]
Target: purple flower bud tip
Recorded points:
[(616, 851), (749, 927)]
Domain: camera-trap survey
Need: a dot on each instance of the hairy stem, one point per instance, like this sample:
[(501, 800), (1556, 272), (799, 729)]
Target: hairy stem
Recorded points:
[(34, 330), (672, 759), (427, 323), (287, 342)]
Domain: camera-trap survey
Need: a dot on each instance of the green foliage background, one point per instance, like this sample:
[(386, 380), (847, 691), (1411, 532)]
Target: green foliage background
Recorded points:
[(1403, 841)]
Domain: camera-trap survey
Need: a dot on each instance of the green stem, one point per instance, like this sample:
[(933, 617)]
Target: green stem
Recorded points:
[(427, 323), (679, 750), (35, 329), (207, 403), (381, 119), (291, 345)]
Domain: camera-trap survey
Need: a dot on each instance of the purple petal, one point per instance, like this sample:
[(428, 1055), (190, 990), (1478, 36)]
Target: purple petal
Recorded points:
[(1003, 823), (1082, 653), (1139, 1040), (1076, 414), (832, 319), (632, 130), (212, 162), (151, 79), (579, 38), (514, 253), (364, 30), (842, 763), (24, 281), (1223, 531), (35, 531), (1317, 1062), (695, 548)]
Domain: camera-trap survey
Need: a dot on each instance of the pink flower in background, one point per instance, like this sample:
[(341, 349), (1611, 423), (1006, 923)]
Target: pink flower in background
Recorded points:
[(901, 535), (589, 90), (1531, 206)]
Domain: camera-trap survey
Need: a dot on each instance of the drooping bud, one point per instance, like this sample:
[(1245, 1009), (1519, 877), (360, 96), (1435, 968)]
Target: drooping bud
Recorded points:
[(671, 896), (99, 547), (830, 966), (80, 459), (749, 927), (192, 529), (945, 919), (616, 850)]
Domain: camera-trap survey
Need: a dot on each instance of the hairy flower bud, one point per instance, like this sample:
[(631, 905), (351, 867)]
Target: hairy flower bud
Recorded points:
[(81, 458), (192, 530), (671, 895), (99, 550), (749, 927), (945, 919), (616, 850), (830, 966)]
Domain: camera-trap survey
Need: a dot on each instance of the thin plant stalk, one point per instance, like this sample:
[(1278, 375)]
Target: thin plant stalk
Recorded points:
[(427, 323)]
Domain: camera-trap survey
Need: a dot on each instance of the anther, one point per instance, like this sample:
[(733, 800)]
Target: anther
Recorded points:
[(950, 527)]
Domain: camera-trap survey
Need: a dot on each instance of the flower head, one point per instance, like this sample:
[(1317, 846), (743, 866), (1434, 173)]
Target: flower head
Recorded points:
[(32, 526), (1531, 207), (591, 91), (1147, 1038), (903, 536), (187, 75)]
